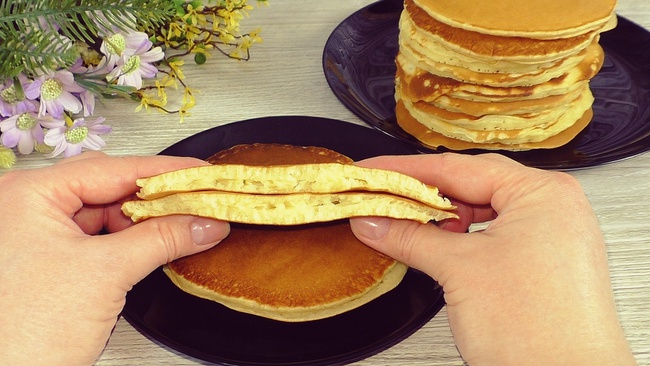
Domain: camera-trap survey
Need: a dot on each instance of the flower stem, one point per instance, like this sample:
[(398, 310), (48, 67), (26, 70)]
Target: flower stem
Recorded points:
[(18, 87)]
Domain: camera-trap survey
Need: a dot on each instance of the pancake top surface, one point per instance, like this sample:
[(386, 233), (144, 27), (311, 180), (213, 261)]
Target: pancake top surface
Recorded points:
[(491, 45), (521, 17), (276, 154), (285, 267)]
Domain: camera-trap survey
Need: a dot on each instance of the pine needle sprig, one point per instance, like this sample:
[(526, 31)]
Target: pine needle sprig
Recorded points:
[(31, 31)]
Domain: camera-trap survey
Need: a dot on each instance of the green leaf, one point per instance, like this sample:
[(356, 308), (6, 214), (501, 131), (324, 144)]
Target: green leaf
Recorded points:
[(36, 52), (74, 19), (200, 58)]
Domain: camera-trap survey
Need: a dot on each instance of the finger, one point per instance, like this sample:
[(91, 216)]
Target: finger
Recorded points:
[(92, 154), (100, 179), (468, 214), (145, 246), (92, 219), (471, 179), (419, 246)]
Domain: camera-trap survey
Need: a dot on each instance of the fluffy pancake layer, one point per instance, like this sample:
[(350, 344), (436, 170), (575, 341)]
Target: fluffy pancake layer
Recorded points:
[(511, 87), (287, 194)]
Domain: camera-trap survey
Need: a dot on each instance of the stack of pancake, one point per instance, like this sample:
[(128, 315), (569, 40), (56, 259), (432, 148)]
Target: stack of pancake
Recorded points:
[(507, 74)]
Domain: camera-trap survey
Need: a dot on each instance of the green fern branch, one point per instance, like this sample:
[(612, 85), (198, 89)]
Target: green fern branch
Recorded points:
[(26, 45), (37, 51)]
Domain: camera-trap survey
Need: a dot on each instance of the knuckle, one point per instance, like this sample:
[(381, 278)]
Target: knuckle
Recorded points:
[(407, 243), (168, 241)]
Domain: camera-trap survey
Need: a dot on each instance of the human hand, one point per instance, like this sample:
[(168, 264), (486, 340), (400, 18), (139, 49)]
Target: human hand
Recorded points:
[(533, 287), (61, 288)]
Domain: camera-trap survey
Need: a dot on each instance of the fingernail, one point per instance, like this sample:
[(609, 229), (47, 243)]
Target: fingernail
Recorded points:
[(373, 228), (206, 231)]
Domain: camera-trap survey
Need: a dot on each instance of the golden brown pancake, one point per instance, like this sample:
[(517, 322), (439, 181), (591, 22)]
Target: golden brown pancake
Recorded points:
[(533, 18), (291, 273), (494, 46), (434, 139), (504, 75), (419, 84)]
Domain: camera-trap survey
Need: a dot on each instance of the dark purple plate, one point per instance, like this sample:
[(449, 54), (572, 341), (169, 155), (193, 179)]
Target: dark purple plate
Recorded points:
[(212, 332), (358, 62)]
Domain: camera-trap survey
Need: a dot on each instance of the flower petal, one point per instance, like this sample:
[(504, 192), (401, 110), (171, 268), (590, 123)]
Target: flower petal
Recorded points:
[(93, 142), (10, 137), (37, 134), (71, 150), (33, 89), (100, 129), (69, 102), (25, 143), (55, 137), (148, 70), (9, 123), (153, 55), (88, 102), (58, 149), (51, 123)]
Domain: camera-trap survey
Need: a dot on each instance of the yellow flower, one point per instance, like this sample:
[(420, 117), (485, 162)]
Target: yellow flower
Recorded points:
[(175, 31), (43, 148), (169, 81), (183, 113), (226, 37), (193, 16), (176, 71), (189, 100), (7, 157), (147, 100), (255, 35)]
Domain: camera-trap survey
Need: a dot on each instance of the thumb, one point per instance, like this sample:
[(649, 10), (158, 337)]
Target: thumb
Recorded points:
[(154, 242), (424, 247)]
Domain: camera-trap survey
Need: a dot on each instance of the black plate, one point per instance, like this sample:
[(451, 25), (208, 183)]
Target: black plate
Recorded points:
[(359, 65), (212, 332)]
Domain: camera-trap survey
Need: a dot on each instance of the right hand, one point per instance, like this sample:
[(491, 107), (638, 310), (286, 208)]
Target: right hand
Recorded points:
[(533, 287)]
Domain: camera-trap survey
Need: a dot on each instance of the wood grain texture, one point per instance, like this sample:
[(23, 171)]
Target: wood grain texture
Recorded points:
[(285, 77)]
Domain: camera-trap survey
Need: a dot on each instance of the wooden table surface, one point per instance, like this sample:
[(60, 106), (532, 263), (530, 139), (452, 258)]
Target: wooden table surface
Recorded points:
[(285, 77)]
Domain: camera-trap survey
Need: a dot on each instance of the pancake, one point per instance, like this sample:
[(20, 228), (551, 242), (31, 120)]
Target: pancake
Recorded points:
[(501, 75), (286, 194), (290, 180), (429, 31), (420, 84), (289, 273), (446, 121), (541, 19), (435, 139)]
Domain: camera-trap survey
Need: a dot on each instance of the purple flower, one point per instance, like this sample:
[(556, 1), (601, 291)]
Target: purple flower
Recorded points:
[(88, 101), (56, 93), (24, 130), (70, 140), (86, 96), (12, 102), (131, 68), (119, 45)]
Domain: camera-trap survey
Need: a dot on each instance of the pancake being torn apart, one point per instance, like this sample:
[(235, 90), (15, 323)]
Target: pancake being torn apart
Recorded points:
[(289, 268)]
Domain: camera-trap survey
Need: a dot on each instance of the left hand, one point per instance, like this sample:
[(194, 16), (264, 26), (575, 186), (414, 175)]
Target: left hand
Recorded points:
[(62, 287)]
